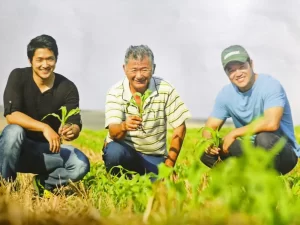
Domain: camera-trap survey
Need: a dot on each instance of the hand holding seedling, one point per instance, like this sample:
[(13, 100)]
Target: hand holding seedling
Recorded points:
[(211, 140), (138, 101), (213, 150), (53, 138), (68, 132), (132, 123)]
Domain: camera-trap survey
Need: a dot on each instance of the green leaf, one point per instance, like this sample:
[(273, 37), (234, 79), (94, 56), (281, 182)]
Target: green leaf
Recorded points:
[(71, 113), (146, 95), (52, 114), (215, 136), (143, 99), (63, 114), (138, 94)]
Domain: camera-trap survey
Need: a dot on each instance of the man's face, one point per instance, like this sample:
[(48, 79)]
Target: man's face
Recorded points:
[(43, 63), (139, 73), (240, 74)]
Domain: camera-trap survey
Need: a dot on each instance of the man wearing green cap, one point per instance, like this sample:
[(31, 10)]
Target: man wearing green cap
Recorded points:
[(256, 103)]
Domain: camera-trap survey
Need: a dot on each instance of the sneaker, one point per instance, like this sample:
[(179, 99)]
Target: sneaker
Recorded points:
[(40, 188)]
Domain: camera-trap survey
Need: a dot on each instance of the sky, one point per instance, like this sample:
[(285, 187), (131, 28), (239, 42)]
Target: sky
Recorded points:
[(186, 36)]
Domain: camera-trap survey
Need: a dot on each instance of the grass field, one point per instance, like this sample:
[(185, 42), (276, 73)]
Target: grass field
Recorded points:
[(244, 191)]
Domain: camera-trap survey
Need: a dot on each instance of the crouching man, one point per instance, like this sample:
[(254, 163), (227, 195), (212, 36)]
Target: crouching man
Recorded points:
[(137, 111), (29, 145)]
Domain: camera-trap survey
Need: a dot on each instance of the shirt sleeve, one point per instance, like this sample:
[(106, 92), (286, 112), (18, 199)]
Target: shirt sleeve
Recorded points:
[(220, 110), (275, 96), (176, 110), (72, 102), (114, 110), (13, 93)]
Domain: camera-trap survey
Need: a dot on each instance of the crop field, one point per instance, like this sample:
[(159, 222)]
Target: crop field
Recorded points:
[(241, 191)]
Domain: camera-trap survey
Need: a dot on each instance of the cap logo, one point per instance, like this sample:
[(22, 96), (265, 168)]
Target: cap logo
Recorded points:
[(231, 53)]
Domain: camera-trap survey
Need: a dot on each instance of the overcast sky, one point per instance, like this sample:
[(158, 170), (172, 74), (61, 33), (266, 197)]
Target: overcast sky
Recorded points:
[(186, 36)]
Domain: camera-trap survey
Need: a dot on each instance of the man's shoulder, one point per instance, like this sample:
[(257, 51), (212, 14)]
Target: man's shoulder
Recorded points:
[(117, 87), (227, 89), (64, 81), (269, 81), (25, 71), (266, 78), (162, 84)]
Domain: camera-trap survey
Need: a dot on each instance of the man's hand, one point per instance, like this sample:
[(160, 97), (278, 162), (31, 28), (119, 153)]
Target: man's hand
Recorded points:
[(228, 140), (213, 150), (69, 132), (53, 138), (118, 131), (132, 123)]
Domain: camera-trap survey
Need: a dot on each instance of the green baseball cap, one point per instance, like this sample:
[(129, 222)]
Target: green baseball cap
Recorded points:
[(234, 53)]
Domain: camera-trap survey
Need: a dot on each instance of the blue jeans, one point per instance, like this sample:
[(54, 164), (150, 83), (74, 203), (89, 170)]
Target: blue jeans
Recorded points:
[(120, 154), (20, 154)]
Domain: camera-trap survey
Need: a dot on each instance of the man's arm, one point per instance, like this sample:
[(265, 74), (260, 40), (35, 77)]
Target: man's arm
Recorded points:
[(176, 144), (177, 113), (13, 103), (25, 121), (29, 123), (269, 122), (213, 123), (118, 131)]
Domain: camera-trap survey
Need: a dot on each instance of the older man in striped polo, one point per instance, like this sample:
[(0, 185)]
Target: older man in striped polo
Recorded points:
[(136, 115)]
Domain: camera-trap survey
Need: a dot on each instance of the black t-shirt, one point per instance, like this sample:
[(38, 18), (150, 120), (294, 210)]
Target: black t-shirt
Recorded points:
[(23, 95)]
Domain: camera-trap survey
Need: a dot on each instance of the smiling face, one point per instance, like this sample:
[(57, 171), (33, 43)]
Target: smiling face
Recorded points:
[(241, 75), (139, 73), (43, 63)]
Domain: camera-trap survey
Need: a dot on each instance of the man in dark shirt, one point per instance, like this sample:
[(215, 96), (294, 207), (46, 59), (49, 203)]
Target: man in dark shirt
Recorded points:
[(32, 145)]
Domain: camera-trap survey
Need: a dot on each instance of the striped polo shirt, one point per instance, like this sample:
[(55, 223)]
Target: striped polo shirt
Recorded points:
[(162, 106)]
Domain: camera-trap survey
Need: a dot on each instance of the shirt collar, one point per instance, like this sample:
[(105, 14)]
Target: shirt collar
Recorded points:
[(127, 95)]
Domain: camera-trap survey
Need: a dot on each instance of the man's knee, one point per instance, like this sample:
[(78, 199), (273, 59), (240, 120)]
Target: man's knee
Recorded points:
[(80, 165), (13, 133), (208, 160), (266, 140), (12, 139), (113, 153)]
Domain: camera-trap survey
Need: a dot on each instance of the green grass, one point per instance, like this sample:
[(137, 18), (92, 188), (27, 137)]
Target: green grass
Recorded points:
[(243, 191), (240, 191)]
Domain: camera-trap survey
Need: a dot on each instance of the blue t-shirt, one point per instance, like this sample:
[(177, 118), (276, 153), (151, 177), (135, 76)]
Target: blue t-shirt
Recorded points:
[(244, 107)]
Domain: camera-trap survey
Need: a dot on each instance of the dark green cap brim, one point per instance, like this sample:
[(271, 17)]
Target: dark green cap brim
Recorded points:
[(235, 58)]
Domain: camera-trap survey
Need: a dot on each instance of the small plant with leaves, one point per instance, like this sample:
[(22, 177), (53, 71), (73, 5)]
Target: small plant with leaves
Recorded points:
[(215, 139), (138, 101), (64, 115)]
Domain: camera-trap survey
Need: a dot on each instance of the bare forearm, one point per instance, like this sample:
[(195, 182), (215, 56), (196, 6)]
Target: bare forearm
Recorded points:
[(25, 121), (117, 131), (257, 126), (176, 144), (212, 123)]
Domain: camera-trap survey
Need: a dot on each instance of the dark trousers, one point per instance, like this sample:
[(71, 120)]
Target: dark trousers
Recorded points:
[(120, 154), (285, 161)]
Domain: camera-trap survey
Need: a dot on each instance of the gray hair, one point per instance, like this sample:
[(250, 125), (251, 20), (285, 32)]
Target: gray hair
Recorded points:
[(138, 53)]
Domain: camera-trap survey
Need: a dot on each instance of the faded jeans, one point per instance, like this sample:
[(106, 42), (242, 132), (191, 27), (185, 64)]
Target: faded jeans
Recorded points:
[(20, 154), (120, 154), (284, 161)]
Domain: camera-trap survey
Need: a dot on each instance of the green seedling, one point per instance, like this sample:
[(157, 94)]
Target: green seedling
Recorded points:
[(64, 115), (215, 139), (138, 101)]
